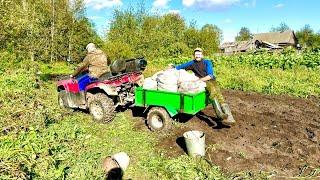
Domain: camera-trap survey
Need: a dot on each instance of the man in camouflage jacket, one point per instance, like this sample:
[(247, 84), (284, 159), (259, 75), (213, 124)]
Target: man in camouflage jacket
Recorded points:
[(96, 62)]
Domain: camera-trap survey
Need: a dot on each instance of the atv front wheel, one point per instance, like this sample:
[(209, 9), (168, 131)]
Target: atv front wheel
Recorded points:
[(158, 119), (102, 108)]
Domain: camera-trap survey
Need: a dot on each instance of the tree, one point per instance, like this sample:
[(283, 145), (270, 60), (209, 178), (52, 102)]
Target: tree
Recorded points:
[(307, 37), (210, 37), (172, 27), (282, 27), (192, 36), (244, 34), (317, 40)]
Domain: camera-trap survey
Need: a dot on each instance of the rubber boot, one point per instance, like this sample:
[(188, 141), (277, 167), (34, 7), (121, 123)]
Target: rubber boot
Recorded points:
[(218, 109), (226, 110)]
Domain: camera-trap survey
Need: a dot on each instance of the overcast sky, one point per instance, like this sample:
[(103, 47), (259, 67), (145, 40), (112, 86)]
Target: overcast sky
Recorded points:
[(228, 15)]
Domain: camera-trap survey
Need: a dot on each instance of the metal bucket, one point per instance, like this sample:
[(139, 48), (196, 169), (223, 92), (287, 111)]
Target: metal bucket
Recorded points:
[(109, 164), (122, 159), (116, 161), (195, 143)]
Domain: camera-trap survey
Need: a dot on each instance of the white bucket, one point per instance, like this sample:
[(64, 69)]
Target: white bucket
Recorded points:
[(122, 159), (195, 143)]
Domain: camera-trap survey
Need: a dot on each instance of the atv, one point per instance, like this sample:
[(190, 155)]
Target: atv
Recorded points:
[(104, 95)]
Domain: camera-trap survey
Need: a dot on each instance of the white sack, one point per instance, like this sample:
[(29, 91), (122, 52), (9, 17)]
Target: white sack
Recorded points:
[(167, 87), (167, 77), (184, 76), (192, 87), (149, 83)]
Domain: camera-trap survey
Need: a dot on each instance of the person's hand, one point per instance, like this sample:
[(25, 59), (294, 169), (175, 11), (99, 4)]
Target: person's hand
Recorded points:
[(170, 66)]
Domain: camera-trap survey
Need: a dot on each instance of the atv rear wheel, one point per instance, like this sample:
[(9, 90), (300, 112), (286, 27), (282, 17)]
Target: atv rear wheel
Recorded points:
[(62, 99), (158, 119), (102, 108)]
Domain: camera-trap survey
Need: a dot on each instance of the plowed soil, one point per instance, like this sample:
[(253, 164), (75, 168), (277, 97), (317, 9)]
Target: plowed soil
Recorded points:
[(278, 134)]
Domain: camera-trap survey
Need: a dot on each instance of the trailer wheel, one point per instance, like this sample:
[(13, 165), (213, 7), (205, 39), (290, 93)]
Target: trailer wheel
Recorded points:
[(62, 99), (158, 119), (102, 108)]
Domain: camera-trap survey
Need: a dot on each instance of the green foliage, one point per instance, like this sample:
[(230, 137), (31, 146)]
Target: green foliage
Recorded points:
[(138, 33), (244, 34), (299, 81), (177, 49), (8, 60), (282, 27), (287, 59), (308, 38), (45, 30), (210, 36), (118, 50)]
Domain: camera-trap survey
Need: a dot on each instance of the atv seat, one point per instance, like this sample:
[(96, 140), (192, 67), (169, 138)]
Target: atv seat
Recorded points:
[(105, 76)]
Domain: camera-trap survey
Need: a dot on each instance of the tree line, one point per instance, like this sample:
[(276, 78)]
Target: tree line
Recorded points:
[(135, 32), (58, 30), (47, 30)]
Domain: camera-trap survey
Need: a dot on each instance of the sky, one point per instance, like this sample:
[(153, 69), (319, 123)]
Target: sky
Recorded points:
[(229, 15)]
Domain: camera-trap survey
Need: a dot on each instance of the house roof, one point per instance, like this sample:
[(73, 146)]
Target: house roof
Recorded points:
[(244, 45), (271, 40), (287, 37), (227, 44), (240, 45)]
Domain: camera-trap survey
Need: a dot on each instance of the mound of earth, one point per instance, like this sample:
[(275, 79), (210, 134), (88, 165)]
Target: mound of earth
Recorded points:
[(278, 134)]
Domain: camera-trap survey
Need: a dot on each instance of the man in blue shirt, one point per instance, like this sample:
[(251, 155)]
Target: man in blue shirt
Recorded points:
[(203, 69)]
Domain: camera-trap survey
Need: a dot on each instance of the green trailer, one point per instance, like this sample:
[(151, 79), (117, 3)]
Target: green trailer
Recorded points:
[(162, 105)]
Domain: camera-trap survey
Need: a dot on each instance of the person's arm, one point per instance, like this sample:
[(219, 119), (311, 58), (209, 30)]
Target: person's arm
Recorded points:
[(210, 72), (184, 65), (81, 67), (206, 78)]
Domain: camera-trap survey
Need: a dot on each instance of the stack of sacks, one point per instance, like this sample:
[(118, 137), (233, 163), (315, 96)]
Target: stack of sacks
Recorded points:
[(173, 80), (162, 80)]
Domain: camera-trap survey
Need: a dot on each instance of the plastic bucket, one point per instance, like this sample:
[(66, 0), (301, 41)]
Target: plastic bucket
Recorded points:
[(195, 143)]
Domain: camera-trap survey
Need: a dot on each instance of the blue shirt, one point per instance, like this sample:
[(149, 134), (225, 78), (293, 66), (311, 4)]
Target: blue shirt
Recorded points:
[(201, 68)]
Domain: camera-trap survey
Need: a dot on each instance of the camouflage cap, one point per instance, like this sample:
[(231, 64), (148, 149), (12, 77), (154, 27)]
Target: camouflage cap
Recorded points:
[(198, 49)]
